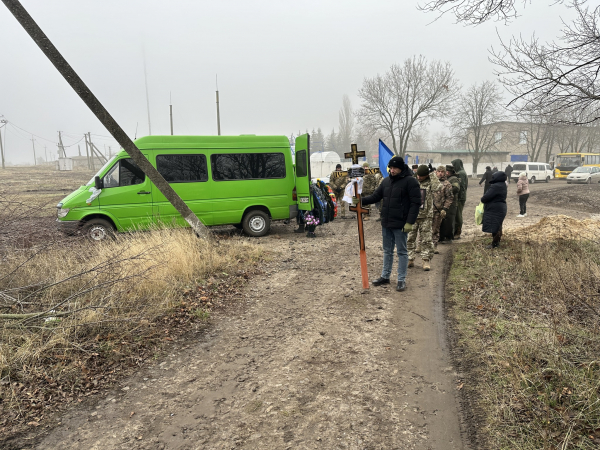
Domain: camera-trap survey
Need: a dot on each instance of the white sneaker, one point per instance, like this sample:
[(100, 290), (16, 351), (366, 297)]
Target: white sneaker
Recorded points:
[(525, 215), (520, 215)]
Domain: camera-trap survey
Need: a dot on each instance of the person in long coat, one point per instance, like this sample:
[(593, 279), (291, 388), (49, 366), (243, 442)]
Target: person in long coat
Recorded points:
[(486, 177), (494, 209)]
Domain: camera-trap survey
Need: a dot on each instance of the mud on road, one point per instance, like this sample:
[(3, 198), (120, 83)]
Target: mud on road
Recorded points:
[(311, 361)]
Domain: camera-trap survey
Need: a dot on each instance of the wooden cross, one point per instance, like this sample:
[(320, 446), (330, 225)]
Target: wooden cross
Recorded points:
[(354, 154), (361, 237)]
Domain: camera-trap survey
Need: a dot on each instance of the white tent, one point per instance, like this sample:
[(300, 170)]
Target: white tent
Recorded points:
[(325, 157), (323, 163)]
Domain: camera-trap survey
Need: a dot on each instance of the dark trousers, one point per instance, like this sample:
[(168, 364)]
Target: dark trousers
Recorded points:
[(458, 219), (496, 238), (523, 203)]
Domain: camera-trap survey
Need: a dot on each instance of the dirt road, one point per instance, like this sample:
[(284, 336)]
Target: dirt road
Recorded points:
[(310, 361)]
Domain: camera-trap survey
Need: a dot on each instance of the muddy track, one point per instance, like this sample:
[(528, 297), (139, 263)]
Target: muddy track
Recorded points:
[(311, 361)]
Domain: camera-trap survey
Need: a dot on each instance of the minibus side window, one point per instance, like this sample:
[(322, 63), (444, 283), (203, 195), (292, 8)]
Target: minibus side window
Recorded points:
[(182, 168), (124, 173), (301, 164), (247, 166)]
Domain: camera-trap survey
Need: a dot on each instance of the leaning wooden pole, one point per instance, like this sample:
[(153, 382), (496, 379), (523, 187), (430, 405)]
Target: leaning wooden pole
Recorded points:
[(42, 41)]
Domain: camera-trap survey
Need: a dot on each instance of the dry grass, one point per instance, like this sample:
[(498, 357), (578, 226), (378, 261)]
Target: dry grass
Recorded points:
[(527, 319), (97, 307)]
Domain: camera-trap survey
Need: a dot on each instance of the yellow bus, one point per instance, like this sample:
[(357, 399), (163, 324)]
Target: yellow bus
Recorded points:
[(565, 163)]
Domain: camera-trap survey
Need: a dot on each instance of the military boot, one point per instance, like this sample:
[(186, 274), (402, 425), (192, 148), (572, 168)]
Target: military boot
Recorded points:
[(426, 266), (411, 263)]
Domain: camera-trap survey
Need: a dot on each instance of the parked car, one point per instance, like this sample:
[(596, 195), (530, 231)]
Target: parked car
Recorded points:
[(584, 174), (536, 171)]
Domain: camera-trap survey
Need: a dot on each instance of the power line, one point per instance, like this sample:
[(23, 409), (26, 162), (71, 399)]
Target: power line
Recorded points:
[(30, 133)]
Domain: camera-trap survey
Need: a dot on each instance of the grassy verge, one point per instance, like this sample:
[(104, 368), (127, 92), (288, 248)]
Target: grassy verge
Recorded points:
[(74, 316), (526, 319)]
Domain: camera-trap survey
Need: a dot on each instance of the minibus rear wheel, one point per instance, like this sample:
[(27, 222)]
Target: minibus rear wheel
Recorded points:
[(98, 230), (256, 223)]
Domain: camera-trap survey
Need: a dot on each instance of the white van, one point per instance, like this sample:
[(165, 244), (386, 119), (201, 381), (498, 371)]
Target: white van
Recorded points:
[(536, 171)]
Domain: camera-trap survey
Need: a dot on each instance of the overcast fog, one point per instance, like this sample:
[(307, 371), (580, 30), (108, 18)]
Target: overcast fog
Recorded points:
[(282, 66)]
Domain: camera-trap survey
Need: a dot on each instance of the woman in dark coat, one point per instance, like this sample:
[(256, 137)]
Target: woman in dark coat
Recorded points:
[(494, 210)]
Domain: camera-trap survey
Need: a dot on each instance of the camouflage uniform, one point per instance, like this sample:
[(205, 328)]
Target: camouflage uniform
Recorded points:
[(423, 224), (338, 185), (370, 183), (442, 201), (462, 196), (447, 226)]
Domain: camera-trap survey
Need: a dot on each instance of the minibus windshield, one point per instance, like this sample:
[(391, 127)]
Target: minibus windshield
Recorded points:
[(108, 163)]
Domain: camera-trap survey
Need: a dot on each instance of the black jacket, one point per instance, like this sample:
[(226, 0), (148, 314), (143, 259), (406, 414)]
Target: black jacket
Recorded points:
[(401, 196), (494, 200), (487, 177)]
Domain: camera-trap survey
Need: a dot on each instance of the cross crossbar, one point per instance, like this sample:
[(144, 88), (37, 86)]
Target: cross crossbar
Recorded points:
[(354, 154)]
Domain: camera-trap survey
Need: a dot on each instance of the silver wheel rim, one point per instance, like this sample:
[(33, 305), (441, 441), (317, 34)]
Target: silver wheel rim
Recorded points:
[(97, 233), (257, 224)]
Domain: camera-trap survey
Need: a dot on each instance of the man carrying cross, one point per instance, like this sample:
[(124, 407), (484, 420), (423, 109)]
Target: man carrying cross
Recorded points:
[(401, 197)]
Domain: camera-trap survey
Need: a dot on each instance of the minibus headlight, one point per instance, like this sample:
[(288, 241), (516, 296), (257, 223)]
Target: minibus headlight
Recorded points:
[(62, 212)]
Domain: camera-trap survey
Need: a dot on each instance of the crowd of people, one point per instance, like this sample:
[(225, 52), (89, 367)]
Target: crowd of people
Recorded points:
[(421, 207), (417, 208)]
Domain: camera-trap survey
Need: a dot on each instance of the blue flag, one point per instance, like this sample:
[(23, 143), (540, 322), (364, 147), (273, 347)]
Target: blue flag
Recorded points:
[(385, 154)]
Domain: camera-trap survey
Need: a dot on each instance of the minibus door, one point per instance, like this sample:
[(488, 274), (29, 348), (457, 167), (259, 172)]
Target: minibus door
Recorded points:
[(305, 201), (127, 195)]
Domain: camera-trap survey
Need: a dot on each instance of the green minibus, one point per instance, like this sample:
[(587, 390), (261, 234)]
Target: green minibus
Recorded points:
[(245, 181)]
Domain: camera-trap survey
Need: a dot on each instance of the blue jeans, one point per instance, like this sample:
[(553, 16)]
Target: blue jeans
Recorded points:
[(394, 237)]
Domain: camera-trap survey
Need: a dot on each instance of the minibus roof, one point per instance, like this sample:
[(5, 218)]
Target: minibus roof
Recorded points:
[(220, 142)]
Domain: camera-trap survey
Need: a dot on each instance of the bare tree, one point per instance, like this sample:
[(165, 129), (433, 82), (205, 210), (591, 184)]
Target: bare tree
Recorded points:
[(475, 117), (475, 11), (346, 121), (406, 97), (562, 74)]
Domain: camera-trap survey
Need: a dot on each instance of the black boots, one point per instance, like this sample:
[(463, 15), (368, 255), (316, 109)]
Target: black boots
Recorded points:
[(379, 281)]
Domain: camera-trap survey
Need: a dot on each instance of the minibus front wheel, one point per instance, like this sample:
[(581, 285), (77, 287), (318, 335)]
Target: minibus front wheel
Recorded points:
[(256, 223), (98, 230)]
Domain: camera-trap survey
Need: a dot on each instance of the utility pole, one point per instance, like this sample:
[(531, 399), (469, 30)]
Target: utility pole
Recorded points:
[(33, 143), (79, 149), (218, 113), (87, 153), (147, 97), (71, 77), (2, 121), (46, 154), (109, 152), (61, 147), (171, 112), (94, 150)]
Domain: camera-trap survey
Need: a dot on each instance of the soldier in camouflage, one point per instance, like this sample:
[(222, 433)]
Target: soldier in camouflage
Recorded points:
[(429, 186), (338, 185), (447, 226), (370, 183), (442, 201)]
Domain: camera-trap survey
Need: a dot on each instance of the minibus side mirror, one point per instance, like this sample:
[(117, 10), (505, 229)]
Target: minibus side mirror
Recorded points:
[(98, 183)]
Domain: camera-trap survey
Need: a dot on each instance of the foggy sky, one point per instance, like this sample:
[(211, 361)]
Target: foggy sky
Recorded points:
[(283, 66)]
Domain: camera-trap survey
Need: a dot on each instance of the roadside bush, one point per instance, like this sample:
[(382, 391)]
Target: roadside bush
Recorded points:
[(527, 321)]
